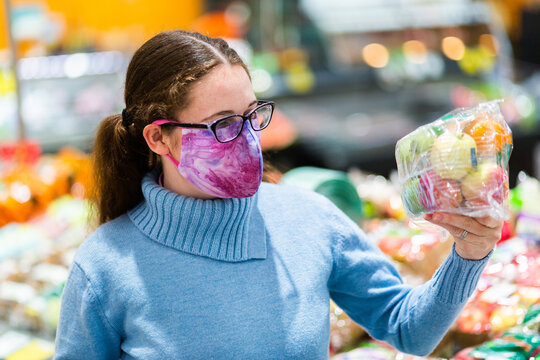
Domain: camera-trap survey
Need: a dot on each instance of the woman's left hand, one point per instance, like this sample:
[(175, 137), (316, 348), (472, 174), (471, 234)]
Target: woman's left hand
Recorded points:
[(474, 237)]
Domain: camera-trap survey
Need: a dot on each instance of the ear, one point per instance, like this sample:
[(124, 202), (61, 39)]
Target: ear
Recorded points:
[(155, 139)]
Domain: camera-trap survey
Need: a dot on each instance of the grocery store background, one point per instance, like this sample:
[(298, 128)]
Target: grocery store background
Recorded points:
[(349, 78)]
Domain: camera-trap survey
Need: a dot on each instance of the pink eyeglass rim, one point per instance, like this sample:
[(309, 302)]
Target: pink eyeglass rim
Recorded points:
[(162, 121)]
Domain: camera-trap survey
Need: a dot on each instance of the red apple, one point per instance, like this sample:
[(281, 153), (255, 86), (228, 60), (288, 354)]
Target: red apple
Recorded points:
[(427, 190), (486, 185), (438, 193)]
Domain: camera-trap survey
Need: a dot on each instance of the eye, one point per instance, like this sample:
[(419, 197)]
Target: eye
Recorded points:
[(228, 129), (226, 122), (249, 111)]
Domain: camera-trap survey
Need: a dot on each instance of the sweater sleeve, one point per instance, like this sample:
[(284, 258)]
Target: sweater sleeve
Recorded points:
[(84, 332), (366, 285)]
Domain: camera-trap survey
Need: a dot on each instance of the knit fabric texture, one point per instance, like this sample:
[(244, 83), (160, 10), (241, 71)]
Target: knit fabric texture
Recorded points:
[(184, 278)]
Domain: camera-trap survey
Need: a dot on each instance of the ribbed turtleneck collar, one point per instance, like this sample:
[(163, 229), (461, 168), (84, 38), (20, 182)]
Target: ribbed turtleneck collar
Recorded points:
[(222, 229)]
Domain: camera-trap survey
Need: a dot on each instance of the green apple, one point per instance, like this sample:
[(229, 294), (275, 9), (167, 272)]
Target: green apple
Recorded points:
[(403, 150), (423, 138), (415, 144), (411, 197), (453, 155)]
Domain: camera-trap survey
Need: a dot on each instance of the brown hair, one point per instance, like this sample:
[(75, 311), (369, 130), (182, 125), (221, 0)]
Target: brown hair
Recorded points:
[(157, 84)]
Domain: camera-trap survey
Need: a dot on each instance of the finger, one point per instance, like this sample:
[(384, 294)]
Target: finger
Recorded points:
[(457, 232), (460, 222), (489, 222)]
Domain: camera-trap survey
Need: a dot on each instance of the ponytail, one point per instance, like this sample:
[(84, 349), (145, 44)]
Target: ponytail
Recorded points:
[(120, 161)]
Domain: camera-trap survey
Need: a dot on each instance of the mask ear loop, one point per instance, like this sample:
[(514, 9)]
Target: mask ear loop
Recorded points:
[(161, 122), (173, 160)]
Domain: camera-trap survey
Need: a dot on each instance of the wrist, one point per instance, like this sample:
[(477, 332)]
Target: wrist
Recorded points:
[(472, 252)]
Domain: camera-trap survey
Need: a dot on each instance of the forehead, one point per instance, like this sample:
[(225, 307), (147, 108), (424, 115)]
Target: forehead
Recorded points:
[(226, 87)]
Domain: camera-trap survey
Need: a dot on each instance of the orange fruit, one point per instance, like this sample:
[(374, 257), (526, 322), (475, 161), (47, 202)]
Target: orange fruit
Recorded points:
[(490, 136)]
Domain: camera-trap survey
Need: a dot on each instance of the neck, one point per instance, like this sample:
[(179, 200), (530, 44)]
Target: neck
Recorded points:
[(175, 182), (226, 229)]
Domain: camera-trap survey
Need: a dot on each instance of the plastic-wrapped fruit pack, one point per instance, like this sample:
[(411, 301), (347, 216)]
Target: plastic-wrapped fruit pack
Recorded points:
[(457, 164)]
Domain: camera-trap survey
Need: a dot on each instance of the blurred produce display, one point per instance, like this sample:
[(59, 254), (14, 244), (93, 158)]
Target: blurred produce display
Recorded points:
[(18, 345), (44, 217), (518, 343), (377, 351), (521, 342), (508, 286), (29, 181)]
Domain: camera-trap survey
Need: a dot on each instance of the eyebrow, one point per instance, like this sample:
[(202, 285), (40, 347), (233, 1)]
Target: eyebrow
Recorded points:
[(228, 112)]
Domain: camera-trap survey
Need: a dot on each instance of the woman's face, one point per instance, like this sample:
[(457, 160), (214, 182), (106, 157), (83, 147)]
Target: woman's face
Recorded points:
[(224, 91)]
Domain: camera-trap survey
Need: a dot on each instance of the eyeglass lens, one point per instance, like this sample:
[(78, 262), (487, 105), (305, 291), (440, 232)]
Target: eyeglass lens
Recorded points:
[(230, 128)]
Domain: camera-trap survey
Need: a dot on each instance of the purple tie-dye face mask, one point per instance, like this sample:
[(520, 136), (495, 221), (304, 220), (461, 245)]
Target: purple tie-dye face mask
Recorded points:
[(225, 170)]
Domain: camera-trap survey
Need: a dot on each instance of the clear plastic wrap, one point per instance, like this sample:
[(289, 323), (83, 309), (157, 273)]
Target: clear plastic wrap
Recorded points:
[(457, 164)]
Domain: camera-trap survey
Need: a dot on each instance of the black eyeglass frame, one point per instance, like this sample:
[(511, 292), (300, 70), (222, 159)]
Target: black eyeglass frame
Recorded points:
[(213, 125)]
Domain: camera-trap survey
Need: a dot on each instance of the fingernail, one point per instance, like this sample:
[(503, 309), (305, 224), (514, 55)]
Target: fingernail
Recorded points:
[(428, 216), (437, 217)]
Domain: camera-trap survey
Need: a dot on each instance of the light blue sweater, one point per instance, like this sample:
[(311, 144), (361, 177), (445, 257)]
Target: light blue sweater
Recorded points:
[(182, 278)]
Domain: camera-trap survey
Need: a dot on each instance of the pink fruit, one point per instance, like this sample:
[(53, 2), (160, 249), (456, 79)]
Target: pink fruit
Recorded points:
[(427, 192), (487, 184), (438, 193)]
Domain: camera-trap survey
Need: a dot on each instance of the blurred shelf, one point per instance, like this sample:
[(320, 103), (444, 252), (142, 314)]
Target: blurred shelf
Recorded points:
[(64, 97), (346, 16), (71, 66)]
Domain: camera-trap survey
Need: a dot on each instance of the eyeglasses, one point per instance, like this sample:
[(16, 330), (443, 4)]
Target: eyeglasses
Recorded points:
[(229, 128)]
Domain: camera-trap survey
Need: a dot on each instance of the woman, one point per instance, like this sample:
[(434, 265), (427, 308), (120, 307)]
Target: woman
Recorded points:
[(195, 258)]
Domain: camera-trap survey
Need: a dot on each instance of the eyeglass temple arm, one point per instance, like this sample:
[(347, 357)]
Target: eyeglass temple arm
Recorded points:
[(163, 122)]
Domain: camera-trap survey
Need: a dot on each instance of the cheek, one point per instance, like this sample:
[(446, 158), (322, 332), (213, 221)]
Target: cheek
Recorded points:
[(178, 144), (175, 143), (178, 141)]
